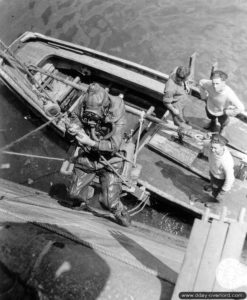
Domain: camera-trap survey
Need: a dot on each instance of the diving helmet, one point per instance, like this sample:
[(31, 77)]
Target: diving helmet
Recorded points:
[(96, 102)]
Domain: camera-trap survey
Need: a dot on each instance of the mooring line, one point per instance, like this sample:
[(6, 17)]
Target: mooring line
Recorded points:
[(32, 155)]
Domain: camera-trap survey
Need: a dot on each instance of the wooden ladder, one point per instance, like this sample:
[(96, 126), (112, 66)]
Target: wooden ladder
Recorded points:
[(210, 243)]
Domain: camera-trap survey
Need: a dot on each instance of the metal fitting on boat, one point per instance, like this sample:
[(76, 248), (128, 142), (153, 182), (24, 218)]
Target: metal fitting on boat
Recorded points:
[(67, 168), (242, 171), (52, 109)]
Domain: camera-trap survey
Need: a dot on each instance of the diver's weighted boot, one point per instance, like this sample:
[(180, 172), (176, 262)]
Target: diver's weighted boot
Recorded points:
[(123, 217)]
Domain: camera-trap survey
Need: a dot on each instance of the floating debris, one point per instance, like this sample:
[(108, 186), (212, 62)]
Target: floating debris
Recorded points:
[(27, 162), (30, 181), (5, 166)]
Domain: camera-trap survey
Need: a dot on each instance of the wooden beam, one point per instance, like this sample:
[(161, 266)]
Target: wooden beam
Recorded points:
[(192, 258), (233, 247), (210, 258)]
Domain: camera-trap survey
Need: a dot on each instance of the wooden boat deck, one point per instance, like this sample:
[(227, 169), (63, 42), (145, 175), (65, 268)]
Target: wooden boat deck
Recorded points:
[(140, 246), (177, 172)]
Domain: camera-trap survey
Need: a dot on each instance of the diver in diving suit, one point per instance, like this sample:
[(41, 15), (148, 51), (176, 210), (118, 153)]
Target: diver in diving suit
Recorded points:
[(101, 120)]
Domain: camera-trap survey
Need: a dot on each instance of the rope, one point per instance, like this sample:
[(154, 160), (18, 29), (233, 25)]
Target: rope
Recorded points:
[(137, 206), (29, 133), (32, 155), (138, 211), (89, 245), (143, 203), (114, 171), (139, 135), (26, 70), (124, 158)]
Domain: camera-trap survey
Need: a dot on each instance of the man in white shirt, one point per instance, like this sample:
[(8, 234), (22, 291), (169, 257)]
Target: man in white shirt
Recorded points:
[(221, 168), (221, 100)]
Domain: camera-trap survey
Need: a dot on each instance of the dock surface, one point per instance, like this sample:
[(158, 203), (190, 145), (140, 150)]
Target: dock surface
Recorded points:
[(213, 260), (139, 251)]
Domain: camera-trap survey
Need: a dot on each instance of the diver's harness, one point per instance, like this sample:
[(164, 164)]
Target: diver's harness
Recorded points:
[(126, 154)]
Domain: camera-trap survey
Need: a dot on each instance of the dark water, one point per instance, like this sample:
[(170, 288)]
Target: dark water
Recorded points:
[(159, 34)]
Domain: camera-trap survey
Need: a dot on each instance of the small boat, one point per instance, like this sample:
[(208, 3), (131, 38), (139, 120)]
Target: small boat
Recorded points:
[(51, 76)]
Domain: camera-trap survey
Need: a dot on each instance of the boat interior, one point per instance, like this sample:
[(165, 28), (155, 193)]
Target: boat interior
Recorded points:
[(68, 96), (157, 143)]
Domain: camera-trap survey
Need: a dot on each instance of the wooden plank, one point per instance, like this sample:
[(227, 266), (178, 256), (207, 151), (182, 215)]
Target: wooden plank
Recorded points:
[(192, 258), (201, 164), (172, 149), (211, 256), (188, 138), (233, 247), (178, 153)]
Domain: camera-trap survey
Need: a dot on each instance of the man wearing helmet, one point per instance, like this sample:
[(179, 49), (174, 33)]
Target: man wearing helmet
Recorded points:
[(101, 120)]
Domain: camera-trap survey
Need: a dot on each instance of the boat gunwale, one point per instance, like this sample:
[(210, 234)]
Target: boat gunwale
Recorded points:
[(149, 72), (138, 67)]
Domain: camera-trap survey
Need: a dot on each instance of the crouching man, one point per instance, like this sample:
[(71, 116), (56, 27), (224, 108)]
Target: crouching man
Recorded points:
[(221, 168), (101, 120)]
